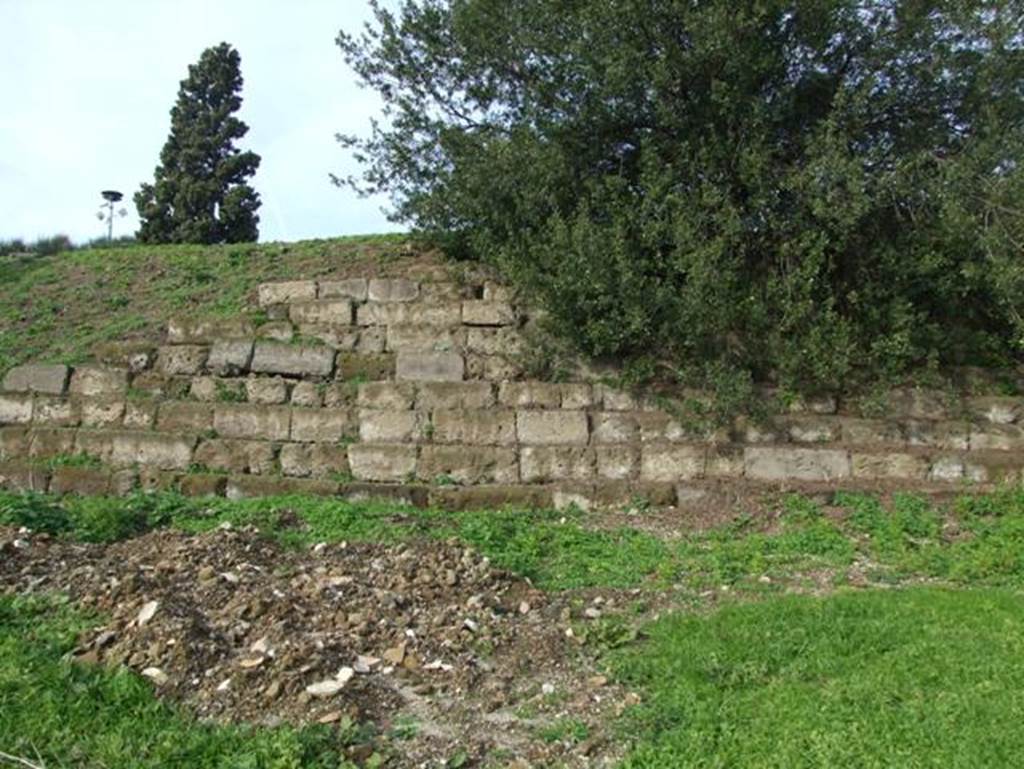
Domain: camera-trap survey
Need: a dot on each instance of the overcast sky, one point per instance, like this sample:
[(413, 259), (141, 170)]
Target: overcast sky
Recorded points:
[(86, 88)]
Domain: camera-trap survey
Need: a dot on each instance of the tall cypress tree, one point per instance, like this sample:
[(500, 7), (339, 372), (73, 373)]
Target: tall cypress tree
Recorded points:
[(200, 192)]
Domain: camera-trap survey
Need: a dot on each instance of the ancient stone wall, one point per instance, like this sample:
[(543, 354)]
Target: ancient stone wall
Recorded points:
[(415, 390)]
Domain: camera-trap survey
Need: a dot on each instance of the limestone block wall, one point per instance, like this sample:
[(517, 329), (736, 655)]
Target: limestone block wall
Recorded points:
[(414, 389)]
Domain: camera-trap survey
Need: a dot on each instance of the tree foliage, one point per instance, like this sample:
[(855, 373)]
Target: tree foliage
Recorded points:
[(813, 192), (200, 193)]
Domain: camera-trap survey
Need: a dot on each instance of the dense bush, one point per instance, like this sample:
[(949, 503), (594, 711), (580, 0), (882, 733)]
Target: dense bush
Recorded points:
[(818, 193)]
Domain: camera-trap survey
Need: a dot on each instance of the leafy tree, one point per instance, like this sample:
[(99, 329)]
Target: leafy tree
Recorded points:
[(818, 193), (200, 194)]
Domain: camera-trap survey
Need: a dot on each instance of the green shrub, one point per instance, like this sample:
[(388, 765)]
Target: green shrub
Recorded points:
[(821, 194)]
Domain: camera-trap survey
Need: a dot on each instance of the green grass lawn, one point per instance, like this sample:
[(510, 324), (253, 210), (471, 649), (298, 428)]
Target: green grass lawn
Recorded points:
[(57, 308), (922, 668)]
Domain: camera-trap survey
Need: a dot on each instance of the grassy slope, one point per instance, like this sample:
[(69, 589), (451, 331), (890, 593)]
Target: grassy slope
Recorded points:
[(55, 308)]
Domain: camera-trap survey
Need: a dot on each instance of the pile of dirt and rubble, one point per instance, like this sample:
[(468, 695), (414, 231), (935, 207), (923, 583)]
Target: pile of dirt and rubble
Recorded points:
[(240, 628)]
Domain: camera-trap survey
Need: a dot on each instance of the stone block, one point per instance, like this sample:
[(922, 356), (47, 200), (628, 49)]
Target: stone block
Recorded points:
[(164, 452), (276, 330), (613, 427), (782, 464), (181, 359), (240, 420), (613, 399), (430, 366), (997, 437), (15, 408), (317, 460), (94, 381), (469, 464), (404, 338), (475, 427), (353, 365), (502, 340), (339, 395), (395, 493), (101, 412), (996, 409), (98, 444), (994, 467), (551, 428), (530, 395), (50, 442), (919, 404), (866, 432), (14, 442), (86, 481), (307, 394), (431, 396), (256, 486), (496, 292), (391, 426), (948, 468), (292, 360), (392, 290), (286, 292), (747, 430), (135, 356), (140, 414), (371, 339), (636, 496), (56, 411), (184, 417), (23, 477), (577, 395), (443, 291), (266, 390), (724, 462), (230, 357), (813, 429), (481, 312), (540, 464), (382, 463), (393, 396), (194, 485), (153, 480), (813, 404), (942, 435), (236, 456), (491, 497), (337, 337), (392, 313), (322, 425), (671, 463), (207, 331), (492, 368), (889, 466), (330, 312), (617, 463), (353, 289), (38, 378)]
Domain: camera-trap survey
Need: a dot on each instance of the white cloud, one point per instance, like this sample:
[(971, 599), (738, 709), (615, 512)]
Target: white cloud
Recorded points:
[(88, 87)]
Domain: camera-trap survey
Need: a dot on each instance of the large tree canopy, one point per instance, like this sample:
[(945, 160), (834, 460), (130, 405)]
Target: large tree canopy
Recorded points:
[(200, 194), (815, 192)]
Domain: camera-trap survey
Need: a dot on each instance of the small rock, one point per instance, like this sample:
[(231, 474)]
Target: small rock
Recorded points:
[(596, 682), (156, 675), (547, 689), (105, 638), (146, 612), (206, 574), (252, 662), (591, 613), (395, 655), (344, 675), (364, 664), (524, 607), (262, 646), (224, 685), (327, 688), (330, 718), (470, 625)]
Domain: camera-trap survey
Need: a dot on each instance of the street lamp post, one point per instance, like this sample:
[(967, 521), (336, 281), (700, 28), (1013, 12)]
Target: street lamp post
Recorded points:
[(111, 196)]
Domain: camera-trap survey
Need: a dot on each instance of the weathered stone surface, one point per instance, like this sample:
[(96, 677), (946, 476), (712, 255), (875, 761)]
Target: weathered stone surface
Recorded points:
[(490, 497), (919, 404), (236, 456), (780, 464), (101, 412), (671, 463), (15, 408), (95, 443), (813, 429), (371, 339), (14, 442), (863, 432), (392, 290), (230, 357), (93, 380), (397, 493), (382, 463), (284, 293), (496, 292), (540, 464), (307, 394), (948, 468), (942, 435), (254, 486), (181, 359), (494, 340), (614, 427), (56, 411), (577, 395), (432, 396), (390, 426), (548, 428), (994, 467), (197, 331), (331, 312), (430, 366), (362, 366), (478, 428), (394, 396), (614, 400), (23, 477), (469, 464), (292, 360), (38, 378), (1002, 437), (339, 395), (406, 338), (995, 409), (202, 485), (135, 356), (481, 312), (530, 395), (276, 330), (184, 417), (889, 466), (318, 460), (724, 462), (354, 289), (266, 390), (85, 481), (814, 404), (392, 313), (165, 452), (240, 420), (50, 442), (492, 368), (747, 430), (140, 414), (443, 291), (322, 425), (618, 462)]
